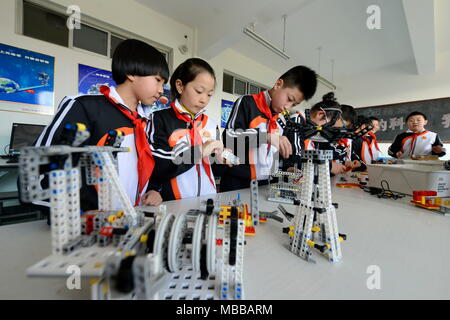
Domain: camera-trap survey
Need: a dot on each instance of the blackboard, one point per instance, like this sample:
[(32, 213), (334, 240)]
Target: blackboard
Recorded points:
[(392, 117)]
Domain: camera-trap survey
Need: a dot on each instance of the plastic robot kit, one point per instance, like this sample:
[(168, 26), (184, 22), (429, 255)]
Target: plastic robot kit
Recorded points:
[(315, 223), (287, 188), (429, 200), (127, 252)]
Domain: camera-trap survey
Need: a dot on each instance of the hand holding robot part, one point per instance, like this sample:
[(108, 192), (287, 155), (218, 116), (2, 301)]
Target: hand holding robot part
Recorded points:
[(152, 198), (281, 143)]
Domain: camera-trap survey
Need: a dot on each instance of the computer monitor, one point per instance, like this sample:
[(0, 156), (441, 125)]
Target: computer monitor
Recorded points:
[(23, 135)]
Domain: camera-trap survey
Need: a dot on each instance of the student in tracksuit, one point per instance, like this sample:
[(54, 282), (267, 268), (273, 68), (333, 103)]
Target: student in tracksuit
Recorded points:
[(184, 140), (254, 130), (417, 141), (140, 72), (348, 119)]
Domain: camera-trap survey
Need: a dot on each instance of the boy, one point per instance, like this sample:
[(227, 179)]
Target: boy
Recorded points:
[(140, 72), (416, 141), (255, 127), (348, 119)]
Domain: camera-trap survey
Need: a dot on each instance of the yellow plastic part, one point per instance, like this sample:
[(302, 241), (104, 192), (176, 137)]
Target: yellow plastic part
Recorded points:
[(315, 229), (144, 238), (112, 218), (310, 243), (81, 127), (120, 214), (291, 233)]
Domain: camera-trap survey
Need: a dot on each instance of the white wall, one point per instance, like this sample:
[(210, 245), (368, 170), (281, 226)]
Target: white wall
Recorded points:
[(394, 84), (132, 17)]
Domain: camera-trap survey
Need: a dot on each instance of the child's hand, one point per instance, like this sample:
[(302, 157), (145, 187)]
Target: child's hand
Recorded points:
[(281, 143), (222, 160), (356, 164), (212, 146), (399, 154), (337, 168), (350, 165), (152, 198), (438, 149)]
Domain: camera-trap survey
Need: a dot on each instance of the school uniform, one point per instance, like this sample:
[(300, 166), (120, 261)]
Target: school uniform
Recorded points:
[(346, 144), (365, 150), (415, 144), (101, 114), (176, 137), (250, 121), (297, 142)]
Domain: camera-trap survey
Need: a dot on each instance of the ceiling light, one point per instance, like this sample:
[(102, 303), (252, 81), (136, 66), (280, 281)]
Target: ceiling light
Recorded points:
[(265, 43)]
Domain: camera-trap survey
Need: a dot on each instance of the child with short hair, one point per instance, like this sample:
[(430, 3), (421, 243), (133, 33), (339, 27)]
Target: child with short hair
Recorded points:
[(183, 137), (140, 72), (254, 125), (416, 141), (348, 119), (322, 113)]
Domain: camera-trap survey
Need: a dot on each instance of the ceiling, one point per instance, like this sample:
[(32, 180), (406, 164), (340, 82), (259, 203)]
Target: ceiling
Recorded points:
[(338, 27)]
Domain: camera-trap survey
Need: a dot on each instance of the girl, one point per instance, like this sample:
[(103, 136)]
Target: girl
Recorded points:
[(321, 113), (183, 138)]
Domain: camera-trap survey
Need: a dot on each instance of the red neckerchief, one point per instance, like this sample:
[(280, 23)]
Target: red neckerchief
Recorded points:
[(146, 163), (374, 140), (366, 140), (413, 141), (261, 103), (196, 139)]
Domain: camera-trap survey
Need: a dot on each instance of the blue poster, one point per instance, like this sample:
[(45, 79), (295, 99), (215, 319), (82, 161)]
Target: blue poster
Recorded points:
[(227, 106), (91, 79), (26, 80)]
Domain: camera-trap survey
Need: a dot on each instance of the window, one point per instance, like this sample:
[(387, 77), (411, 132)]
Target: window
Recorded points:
[(43, 24), (253, 89), (115, 41), (239, 86), (47, 21), (227, 83), (91, 39)]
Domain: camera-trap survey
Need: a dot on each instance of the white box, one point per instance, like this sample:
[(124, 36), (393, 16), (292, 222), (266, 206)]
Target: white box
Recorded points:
[(412, 175)]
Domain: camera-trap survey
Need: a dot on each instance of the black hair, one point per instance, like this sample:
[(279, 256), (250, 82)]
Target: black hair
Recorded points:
[(136, 58), (302, 78), (328, 104), (415, 113), (349, 113), (374, 119), (187, 72)]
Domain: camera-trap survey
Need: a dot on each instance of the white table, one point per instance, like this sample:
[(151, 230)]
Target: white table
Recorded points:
[(410, 246)]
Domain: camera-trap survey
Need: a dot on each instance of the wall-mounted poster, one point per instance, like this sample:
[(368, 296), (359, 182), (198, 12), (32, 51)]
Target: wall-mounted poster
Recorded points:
[(227, 106), (91, 79), (26, 81)]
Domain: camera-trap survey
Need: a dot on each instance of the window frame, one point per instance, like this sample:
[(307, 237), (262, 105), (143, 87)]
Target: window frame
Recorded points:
[(91, 22), (243, 79)]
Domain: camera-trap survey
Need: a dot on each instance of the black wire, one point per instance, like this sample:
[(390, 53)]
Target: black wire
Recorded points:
[(388, 193)]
